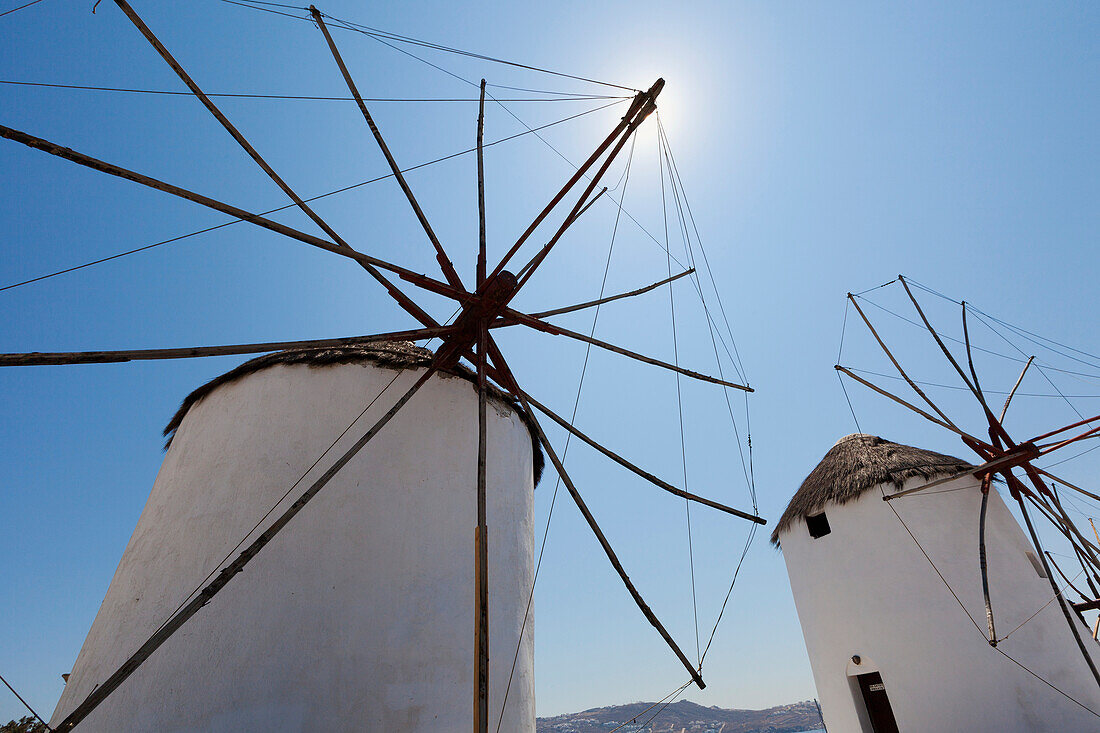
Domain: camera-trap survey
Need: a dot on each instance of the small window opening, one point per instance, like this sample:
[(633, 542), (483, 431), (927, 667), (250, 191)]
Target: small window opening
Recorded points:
[(818, 525), (1035, 563)]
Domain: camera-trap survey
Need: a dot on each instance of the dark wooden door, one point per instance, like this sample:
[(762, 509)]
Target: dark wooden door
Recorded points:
[(878, 704)]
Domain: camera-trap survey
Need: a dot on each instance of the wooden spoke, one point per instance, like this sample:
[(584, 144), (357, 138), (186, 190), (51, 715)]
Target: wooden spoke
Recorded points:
[(643, 101), (529, 269), (638, 471), (995, 427), (87, 161), (100, 693), (513, 316), (481, 563), (897, 366), (1057, 593), (109, 357), (502, 367), (1069, 441), (936, 336), (1065, 578), (1071, 426), (481, 188), (1065, 483), (986, 481), (1015, 387), (587, 205), (445, 263), (914, 408), (1004, 462), (610, 298), (403, 300)]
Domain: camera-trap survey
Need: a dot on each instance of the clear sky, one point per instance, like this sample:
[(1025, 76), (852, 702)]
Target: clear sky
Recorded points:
[(825, 148)]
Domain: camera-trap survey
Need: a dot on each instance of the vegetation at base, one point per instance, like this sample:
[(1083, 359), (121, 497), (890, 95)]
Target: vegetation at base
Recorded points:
[(23, 725)]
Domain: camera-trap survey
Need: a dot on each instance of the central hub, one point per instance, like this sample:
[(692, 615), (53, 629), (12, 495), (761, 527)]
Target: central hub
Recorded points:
[(484, 305)]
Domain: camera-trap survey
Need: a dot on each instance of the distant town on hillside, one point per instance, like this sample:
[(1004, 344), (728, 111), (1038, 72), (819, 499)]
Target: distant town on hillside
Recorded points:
[(686, 717)]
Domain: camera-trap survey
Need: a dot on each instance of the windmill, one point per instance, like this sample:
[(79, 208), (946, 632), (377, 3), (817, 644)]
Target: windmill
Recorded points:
[(481, 309), (1001, 456)]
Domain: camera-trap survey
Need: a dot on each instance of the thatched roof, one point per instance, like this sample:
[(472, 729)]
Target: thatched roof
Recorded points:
[(858, 463), (389, 355)]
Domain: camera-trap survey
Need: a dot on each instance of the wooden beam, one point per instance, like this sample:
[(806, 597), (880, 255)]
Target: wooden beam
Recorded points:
[(503, 368), (1077, 424), (648, 106), (100, 693), (1015, 387), (987, 479), (110, 357), (897, 366), (610, 298), (403, 300), (639, 102), (445, 263), (481, 563), (481, 188), (1057, 593), (638, 471), (914, 408), (514, 316), (89, 162)]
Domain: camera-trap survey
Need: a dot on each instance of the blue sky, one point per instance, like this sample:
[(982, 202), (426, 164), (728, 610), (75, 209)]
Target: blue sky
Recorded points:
[(825, 148)]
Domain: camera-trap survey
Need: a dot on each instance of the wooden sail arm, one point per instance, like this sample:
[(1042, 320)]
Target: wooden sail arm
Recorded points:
[(501, 365), (481, 262), (610, 298), (897, 366), (1068, 441), (512, 316), (987, 479), (645, 110), (1016, 457), (1077, 424), (102, 691), (1008, 400), (403, 300), (639, 471), (109, 357), (87, 161), (914, 408), (445, 263), (1054, 586), (635, 106)]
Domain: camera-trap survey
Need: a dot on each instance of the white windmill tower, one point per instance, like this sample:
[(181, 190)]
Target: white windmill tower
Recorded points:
[(923, 604), (889, 596)]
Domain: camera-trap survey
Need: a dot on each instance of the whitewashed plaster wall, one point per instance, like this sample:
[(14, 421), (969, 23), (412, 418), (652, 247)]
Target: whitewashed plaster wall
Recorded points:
[(358, 616), (866, 589)]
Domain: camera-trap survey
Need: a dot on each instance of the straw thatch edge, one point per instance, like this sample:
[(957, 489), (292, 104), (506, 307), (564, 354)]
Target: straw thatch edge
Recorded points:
[(388, 355), (858, 463)]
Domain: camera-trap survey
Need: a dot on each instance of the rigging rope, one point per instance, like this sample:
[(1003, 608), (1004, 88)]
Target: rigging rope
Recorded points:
[(678, 192), (679, 689), (711, 325), (568, 435), (242, 95), (946, 337), (375, 32), (6, 684), (381, 35), (312, 198), (280, 500), (679, 396), (976, 626), (9, 12)]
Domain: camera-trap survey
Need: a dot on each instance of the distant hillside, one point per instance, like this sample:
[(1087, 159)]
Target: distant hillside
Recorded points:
[(686, 716)]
